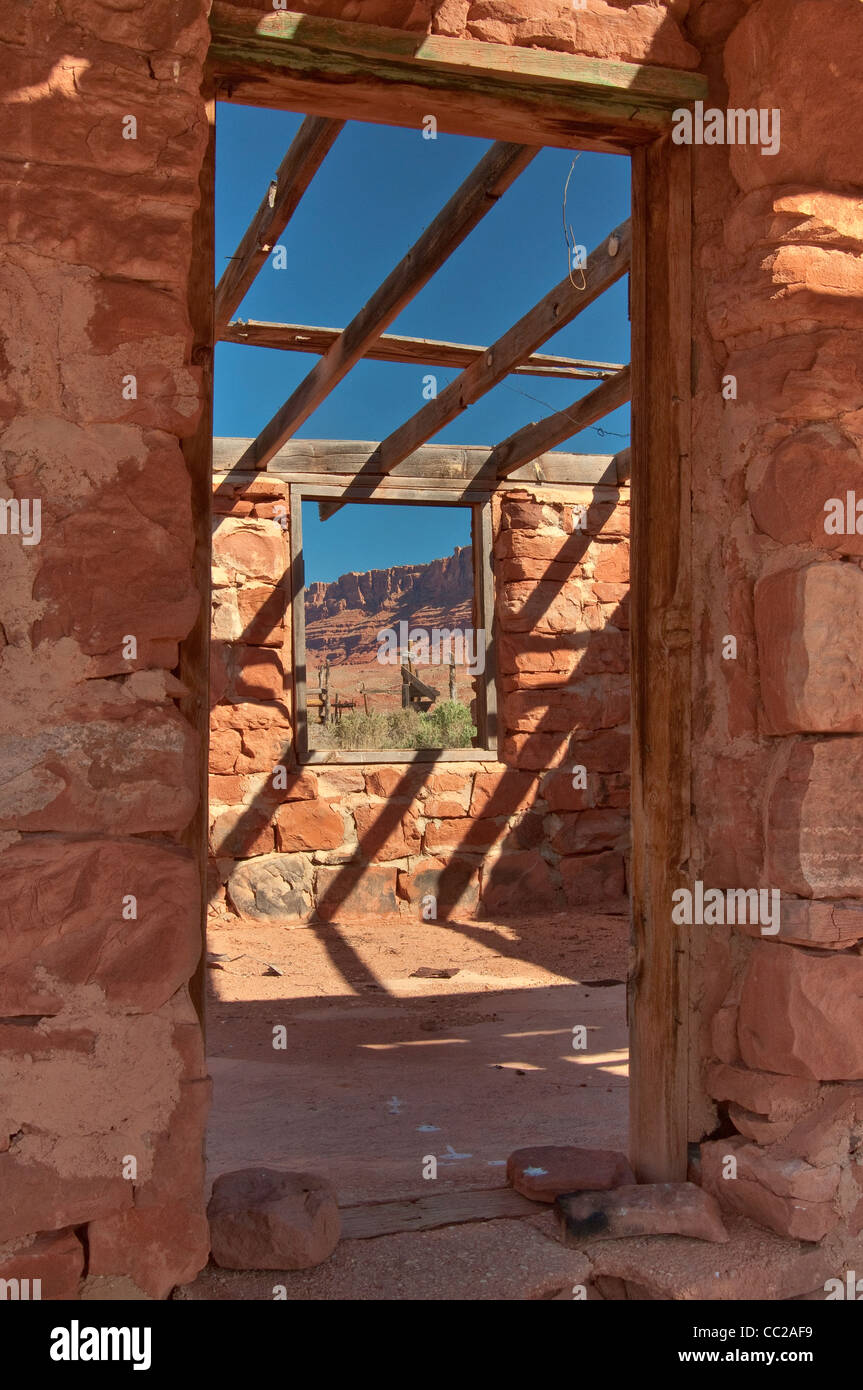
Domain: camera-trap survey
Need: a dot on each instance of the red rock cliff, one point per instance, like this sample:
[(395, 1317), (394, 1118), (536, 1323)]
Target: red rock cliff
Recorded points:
[(344, 617)]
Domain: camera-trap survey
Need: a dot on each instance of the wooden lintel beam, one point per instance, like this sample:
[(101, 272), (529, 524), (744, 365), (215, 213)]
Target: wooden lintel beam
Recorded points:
[(532, 440), (397, 347), (433, 468), (371, 73), (606, 264), (496, 171), (307, 152)]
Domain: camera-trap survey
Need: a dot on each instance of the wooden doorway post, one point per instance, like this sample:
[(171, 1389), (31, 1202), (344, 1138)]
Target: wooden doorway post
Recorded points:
[(658, 1005)]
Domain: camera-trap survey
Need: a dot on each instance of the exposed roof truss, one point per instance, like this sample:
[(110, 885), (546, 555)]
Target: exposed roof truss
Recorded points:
[(483, 368)]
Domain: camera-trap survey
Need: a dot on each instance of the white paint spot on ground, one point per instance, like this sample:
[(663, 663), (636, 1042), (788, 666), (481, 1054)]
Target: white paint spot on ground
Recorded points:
[(451, 1155)]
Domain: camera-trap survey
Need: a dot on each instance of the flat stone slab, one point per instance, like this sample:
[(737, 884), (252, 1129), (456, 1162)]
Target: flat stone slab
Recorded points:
[(484, 1261), (754, 1264), (648, 1209), (261, 1218), (547, 1170)]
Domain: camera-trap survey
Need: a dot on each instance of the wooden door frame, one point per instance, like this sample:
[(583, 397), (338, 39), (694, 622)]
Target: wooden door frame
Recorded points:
[(362, 72)]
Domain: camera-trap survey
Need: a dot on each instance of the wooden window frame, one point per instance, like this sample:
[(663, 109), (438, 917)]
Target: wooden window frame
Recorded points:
[(494, 91), (486, 750)]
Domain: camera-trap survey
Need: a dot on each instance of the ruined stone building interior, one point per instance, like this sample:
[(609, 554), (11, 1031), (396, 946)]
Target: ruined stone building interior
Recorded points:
[(431, 442)]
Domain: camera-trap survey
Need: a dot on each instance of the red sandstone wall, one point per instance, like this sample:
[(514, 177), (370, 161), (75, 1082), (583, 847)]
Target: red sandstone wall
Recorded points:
[(777, 752), (482, 838), (102, 1076)]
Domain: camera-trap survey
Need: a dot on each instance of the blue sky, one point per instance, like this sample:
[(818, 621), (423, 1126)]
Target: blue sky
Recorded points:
[(377, 190)]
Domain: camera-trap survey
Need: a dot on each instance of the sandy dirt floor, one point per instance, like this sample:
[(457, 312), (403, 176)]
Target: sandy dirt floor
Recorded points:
[(383, 1068)]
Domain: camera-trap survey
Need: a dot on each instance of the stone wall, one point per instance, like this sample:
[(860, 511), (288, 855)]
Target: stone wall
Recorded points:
[(482, 838), (778, 271), (102, 1077)]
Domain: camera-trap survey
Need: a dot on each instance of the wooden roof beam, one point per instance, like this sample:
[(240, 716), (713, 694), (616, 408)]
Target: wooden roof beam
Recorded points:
[(494, 174), (307, 152), (397, 347), (531, 441), (606, 264)]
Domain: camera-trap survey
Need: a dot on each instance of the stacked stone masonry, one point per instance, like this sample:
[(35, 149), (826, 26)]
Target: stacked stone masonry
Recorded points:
[(102, 1074), (481, 838), (778, 267), (100, 1048)]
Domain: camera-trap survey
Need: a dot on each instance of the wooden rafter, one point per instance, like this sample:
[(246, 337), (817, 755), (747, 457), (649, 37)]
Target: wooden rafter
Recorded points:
[(606, 264), (309, 148), (494, 174), (535, 439), (371, 73), (396, 347)]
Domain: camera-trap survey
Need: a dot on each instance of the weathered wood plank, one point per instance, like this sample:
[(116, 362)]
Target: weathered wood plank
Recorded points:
[(661, 658), (482, 538), (398, 755), (366, 72), (194, 666), (370, 1219), (396, 347), (532, 440), (306, 459), (309, 148), (478, 109), (298, 624), (606, 264), (479, 193), (431, 492)]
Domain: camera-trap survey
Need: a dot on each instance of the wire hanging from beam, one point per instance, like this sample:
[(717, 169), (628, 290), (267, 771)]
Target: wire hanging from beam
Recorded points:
[(569, 235)]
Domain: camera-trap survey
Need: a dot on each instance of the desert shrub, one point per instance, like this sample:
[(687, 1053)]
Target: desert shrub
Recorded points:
[(451, 725), (447, 725)]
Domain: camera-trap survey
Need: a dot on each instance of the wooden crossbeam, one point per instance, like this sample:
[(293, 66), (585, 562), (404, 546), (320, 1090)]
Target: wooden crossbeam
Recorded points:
[(396, 347), (434, 469), (532, 440), (494, 174), (309, 148), (606, 264)]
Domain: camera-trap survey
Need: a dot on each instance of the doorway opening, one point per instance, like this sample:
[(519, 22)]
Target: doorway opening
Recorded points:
[(354, 828), (420, 789)]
